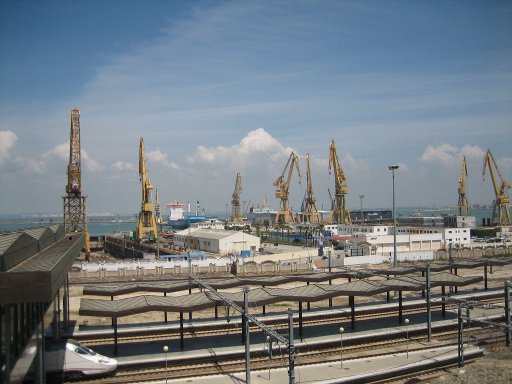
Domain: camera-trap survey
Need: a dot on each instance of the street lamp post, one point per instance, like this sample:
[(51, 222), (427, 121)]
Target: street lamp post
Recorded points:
[(362, 216), (341, 347), (165, 349), (392, 168), (407, 334)]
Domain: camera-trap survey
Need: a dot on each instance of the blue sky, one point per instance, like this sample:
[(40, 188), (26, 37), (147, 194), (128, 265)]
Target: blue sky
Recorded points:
[(220, 87)]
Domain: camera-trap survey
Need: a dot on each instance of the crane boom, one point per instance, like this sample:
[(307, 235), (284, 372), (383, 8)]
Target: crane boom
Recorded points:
[(285, 214), (75, 214), (339, 213), (463, 205), (146, 224), (500, 210), (236, 215), (309, 211)]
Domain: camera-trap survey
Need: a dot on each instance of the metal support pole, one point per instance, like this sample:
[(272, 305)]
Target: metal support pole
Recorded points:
[(245, 317), (429, 309), (443, 302), (485, 277), (65, 302), (351, 300), (423, 291), (300, 319), (508, 329), (392, 168), (291, 349), (115, 335), (165, 313), (400, 307), (181, 331), (460, 348), (456, 288)]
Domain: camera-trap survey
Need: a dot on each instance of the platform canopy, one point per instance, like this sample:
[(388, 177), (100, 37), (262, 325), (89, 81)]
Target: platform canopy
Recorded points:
[(263, 296), (315, 277)]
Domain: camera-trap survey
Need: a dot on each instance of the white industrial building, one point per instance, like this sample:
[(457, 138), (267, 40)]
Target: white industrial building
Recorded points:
[(217, 241), (381, 241)]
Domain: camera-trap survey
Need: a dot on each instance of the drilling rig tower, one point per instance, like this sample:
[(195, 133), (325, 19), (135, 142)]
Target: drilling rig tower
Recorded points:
[(75, 216)]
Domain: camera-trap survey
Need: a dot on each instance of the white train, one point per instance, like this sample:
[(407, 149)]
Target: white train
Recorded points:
[(71, 359)]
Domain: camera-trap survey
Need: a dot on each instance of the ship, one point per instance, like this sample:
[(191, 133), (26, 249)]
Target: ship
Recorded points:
[(179, 220)]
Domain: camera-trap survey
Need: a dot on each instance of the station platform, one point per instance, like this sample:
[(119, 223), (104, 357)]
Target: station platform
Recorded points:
[(350, 371)]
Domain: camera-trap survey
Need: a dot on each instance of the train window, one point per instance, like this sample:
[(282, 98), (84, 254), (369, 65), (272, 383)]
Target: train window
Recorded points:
[(81, 351)]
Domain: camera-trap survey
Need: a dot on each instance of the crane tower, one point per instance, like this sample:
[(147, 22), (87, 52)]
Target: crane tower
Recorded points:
[(146, 225), (463, 205), (285, 214), (309, 210), (236, 216), (500, 210), (339, 213), (75, 216)]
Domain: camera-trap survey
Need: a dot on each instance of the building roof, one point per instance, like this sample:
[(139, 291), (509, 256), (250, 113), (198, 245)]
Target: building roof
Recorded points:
[(213, 234), (37, 274)]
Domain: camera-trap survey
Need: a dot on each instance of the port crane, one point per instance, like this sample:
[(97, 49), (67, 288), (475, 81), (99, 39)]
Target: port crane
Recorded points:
[(500, 210), (75, 214), (463, 205), (309, 211), (146, 224), (236, 215), (339, 213), (285, 214)]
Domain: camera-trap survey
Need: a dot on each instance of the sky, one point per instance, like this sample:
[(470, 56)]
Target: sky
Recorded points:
[(220, 87)]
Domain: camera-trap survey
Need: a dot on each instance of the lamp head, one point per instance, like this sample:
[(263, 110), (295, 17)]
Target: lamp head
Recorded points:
[(342, 329), (393, 167), (406, 321), (165, 348)]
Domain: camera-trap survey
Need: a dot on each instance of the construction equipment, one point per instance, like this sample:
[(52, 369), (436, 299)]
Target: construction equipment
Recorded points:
[(236, 215), (75, 214), (463, 205), (146, 224), (339, 213), (285, 214), (158, 215), (500, 210), (309, 212)]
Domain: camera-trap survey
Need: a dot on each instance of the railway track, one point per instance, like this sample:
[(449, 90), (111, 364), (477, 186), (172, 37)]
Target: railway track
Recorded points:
[(261, 361)]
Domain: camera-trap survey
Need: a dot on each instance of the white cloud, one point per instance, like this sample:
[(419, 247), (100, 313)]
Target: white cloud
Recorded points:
[(448, 155), (91, 164), (124, 166), (7, 141), (255, 146), (30, 165), (158, 157), (60, 151)]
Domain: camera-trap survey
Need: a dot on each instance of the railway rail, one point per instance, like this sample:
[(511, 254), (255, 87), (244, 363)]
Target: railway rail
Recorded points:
[(261, 361)]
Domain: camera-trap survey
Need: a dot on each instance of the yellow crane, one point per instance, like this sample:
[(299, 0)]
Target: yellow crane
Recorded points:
[(339, 213), (463, 205), (146, 224), (309, 211), (75, 214), (500, 208), (285, 214), (158, 215), (236, 215)]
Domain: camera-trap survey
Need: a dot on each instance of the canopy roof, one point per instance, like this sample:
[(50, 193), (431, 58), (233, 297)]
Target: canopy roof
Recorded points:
[(264, 296), (316, 277)]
